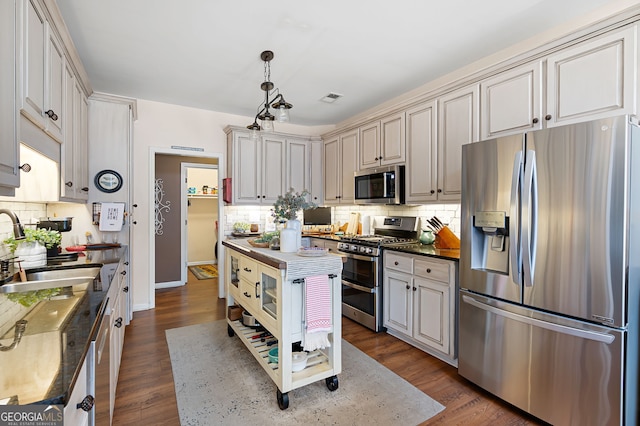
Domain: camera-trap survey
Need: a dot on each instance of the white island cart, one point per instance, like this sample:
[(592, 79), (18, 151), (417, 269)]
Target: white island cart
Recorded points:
[(270, 286)]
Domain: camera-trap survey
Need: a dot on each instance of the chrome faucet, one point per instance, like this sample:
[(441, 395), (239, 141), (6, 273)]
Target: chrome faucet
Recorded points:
[(18, 232)]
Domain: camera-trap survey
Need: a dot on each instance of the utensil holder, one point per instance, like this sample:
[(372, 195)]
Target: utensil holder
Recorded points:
[(446, 239)]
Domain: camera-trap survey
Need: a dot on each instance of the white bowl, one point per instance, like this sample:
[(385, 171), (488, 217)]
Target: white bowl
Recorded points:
[(299, 361)]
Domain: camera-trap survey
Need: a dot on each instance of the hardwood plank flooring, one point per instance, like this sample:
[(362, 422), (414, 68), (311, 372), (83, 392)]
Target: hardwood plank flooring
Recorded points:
[(145, 393)]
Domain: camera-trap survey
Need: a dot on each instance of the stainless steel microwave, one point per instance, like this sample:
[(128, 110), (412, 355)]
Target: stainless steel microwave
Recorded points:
[(382, 185)]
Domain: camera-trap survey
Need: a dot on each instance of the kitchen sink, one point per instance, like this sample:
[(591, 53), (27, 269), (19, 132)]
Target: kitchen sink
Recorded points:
[(78, 278)]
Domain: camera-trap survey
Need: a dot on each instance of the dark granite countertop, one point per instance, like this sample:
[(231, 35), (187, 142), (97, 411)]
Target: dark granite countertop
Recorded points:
[(49, 356)]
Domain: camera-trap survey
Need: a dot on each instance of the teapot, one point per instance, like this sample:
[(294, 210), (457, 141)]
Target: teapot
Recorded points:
[(427, 237)]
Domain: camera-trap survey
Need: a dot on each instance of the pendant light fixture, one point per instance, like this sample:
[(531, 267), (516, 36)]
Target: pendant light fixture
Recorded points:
[(277, 102)]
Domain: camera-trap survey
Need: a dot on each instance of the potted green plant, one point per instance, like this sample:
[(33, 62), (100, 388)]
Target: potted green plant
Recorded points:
[(286, 209), (288, 205), (49, 239)]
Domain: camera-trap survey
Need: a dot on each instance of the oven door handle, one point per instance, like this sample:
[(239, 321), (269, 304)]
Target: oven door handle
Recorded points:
[(359, 287), (357, 256)]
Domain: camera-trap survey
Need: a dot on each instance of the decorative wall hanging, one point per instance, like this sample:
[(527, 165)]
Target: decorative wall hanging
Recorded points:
[(161, 206)]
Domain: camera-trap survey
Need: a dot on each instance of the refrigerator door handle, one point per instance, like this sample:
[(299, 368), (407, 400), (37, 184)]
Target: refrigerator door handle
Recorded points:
[(529, 218), (558, 328), (514, 215)]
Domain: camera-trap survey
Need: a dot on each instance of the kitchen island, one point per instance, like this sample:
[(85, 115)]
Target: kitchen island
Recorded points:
[(270, 286)]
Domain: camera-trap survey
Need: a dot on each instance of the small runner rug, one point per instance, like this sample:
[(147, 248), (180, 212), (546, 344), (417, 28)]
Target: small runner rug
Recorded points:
[(217, 381), (204, 272)]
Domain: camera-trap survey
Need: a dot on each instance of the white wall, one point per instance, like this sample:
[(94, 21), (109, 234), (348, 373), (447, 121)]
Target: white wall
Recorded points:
[(161, 126)]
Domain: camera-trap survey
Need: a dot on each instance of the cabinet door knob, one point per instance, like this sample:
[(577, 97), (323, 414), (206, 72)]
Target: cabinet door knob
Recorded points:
[(376, 159), (396, 263), (52, 115), (547, 117), (118, 322), (85, 189), (126, 289), (86, 404), (126, 263), (439, 190), (414, 289), (535, 120), (69, 184), (408, 286), (135, 222), (428, 270), (135, 205), (123, 273), (433, 191)]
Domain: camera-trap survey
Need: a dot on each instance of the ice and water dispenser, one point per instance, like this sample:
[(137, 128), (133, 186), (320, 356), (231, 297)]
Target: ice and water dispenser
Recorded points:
[(490, 242)]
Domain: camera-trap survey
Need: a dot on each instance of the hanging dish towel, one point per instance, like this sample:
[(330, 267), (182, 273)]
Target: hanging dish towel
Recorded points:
[(317, 313)]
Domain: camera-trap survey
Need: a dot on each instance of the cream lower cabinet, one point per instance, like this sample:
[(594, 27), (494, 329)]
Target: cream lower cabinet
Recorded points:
[(419, 302), (74, 416)]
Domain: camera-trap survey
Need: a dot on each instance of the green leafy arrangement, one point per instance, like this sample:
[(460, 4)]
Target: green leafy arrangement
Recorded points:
[(46, 237), (288, 205), (29, 298), (266, 237)]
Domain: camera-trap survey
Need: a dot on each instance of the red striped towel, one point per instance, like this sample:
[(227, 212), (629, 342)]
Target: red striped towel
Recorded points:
[(318, 312), (318, 303)]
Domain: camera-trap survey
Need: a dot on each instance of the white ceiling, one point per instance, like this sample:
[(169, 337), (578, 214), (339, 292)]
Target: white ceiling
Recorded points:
[(205, 53)]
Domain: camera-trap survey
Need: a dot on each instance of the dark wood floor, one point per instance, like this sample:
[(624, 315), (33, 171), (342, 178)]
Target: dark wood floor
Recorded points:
[(145, 393)]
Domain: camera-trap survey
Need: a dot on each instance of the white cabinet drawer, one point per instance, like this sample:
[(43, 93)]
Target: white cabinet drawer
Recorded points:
[(248, 269), (433, 270), (398, 262)]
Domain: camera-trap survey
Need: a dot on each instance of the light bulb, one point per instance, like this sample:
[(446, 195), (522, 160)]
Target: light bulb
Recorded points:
[(267, 125)]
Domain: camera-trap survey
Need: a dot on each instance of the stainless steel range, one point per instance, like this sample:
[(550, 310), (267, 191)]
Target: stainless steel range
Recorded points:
[(362, 270)]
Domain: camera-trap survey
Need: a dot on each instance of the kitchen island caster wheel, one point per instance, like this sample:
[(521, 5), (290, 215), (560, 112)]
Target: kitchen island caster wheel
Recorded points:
[(230, 331), (332, 383), (283, 399)]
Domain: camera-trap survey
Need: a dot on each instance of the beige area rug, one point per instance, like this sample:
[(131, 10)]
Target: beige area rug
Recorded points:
[(218, 381), (204, 272)]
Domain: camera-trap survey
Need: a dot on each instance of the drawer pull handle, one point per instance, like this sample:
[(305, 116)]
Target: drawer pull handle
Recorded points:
[(118, 322), (247, 269), (86, 404), (52, 115), (247, 294)]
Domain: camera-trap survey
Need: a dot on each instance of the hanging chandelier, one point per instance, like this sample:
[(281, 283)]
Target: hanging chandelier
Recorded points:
[(276, 102)]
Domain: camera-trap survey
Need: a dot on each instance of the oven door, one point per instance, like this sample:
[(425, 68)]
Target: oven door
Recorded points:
[(360, 291)]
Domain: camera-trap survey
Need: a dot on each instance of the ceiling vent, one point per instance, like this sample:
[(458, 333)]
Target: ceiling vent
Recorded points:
[(331, 97)]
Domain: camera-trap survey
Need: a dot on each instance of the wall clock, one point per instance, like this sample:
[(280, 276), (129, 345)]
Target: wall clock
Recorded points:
[(108, 181)]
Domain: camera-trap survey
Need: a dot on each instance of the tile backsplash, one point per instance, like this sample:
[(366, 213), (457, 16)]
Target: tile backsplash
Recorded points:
[(448, 213), (28, 214)]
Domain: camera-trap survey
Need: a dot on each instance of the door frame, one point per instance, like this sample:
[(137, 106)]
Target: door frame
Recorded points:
[(184, 152)]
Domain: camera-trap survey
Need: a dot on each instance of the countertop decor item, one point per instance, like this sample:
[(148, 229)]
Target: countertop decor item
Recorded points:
[(427, 237), (255, 242), (288, 205), (49, 239)]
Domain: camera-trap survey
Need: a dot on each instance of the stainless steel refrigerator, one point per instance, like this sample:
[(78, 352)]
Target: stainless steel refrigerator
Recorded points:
[(550, 271)]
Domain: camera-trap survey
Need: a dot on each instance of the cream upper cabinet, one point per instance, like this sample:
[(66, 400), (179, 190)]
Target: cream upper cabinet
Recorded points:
[(458, 124), (264, 168), (54, 85), (382, 142), (421, 174), (370, 145), (511, 101), (340, 164), (74, 167), (392, 139), (298, 169), (33, 28), (593, 79), (9, 160), (258, 168), (317, 169)]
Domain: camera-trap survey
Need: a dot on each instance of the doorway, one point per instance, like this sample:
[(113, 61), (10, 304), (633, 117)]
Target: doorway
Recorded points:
[(168, 247), (200, 210)]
